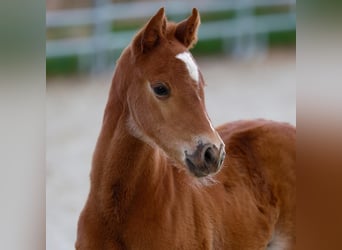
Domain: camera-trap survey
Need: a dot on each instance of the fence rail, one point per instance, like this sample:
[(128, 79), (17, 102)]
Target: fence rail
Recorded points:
[(247, 29)]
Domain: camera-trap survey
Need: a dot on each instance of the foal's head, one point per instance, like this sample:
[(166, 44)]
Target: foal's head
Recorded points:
[(165, 96)]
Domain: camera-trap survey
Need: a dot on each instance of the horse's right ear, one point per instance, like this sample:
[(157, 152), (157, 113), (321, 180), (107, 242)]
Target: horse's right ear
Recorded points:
[(186, 31), (150, 36)]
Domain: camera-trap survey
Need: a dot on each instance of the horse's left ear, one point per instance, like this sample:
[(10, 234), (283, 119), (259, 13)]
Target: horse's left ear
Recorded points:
[(150, 36), (186, 31)]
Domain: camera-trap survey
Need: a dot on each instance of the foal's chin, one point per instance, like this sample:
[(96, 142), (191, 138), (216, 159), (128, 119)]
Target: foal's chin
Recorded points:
[(201, 169), (204, 180), (199, 173), (198, 178)]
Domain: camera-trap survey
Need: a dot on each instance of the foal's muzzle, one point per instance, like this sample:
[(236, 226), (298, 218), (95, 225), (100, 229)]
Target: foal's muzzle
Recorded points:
[(205, 160)]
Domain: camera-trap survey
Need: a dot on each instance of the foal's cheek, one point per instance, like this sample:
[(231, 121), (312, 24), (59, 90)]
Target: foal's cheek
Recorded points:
[(148, 113)]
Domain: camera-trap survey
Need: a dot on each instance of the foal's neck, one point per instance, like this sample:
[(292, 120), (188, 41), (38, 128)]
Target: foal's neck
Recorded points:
[(124, 167)]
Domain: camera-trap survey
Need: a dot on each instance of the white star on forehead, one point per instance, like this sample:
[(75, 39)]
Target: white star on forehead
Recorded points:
[(190, 64)]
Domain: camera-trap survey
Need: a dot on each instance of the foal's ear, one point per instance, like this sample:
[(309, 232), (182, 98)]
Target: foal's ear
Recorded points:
[(150, 36), (186, 31)]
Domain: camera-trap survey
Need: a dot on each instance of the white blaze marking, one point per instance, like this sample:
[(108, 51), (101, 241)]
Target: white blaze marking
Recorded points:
[(190, 64), (210, 124)]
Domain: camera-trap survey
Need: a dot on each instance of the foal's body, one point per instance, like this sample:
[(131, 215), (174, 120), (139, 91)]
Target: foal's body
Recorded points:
[(142, 197)]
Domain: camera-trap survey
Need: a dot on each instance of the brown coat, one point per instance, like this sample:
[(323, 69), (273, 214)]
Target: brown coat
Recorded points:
[(142, 194)]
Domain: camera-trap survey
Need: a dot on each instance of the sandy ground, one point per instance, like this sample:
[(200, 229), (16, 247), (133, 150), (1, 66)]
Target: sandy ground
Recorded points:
[(235, 90)]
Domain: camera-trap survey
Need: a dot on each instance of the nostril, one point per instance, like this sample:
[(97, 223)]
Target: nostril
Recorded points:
[(209, 156)]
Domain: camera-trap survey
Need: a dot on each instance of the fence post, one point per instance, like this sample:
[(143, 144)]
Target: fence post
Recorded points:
[(101, 28), (248, 32)]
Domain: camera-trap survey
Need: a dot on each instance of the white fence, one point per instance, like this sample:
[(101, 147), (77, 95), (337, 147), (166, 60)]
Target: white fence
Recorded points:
[(248, 30)]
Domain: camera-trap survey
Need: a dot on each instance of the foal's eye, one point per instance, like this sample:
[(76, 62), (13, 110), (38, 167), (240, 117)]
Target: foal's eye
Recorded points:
[(161, 90)]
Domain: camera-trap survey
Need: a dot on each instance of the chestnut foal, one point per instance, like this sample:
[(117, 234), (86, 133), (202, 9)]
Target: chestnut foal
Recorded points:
[(160, 178)]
